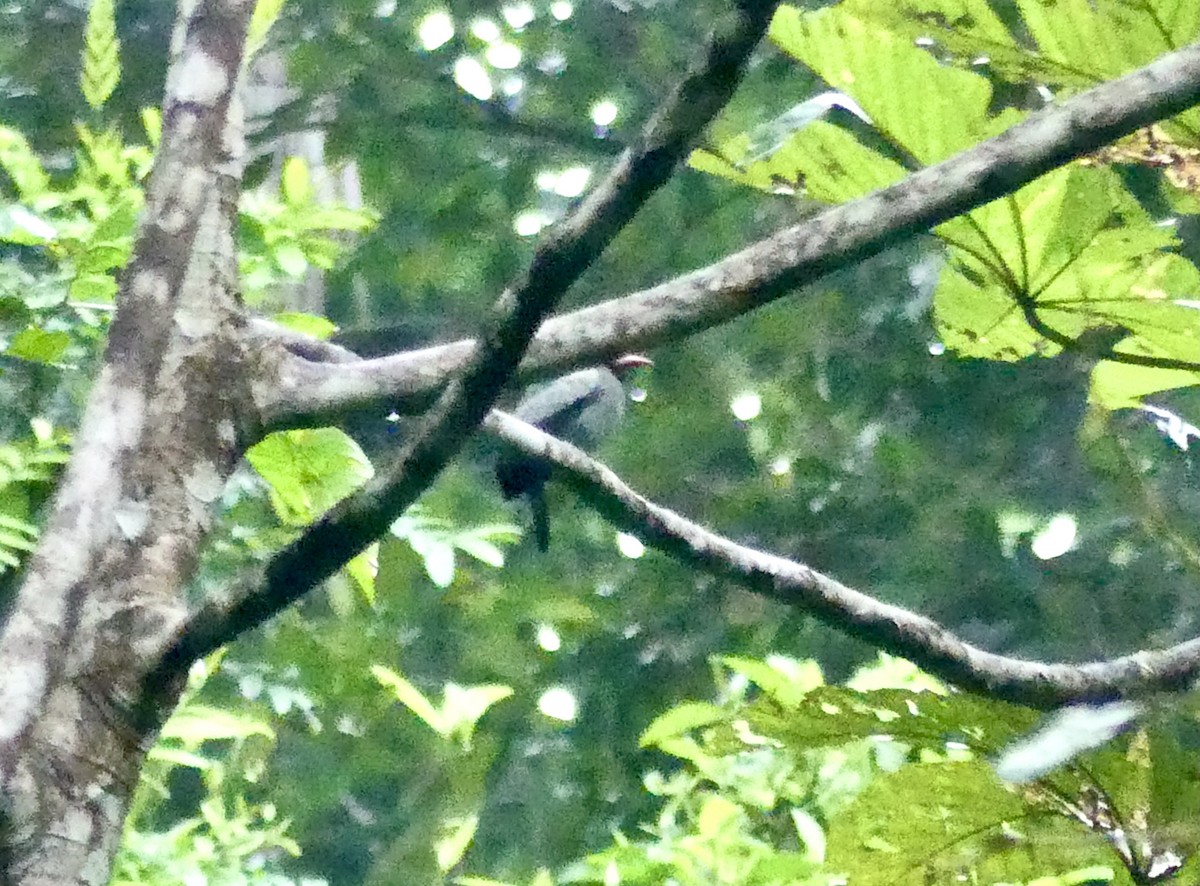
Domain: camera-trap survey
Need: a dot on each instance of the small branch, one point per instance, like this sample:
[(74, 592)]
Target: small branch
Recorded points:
[(773, 267), (328, 544), (921, 640)]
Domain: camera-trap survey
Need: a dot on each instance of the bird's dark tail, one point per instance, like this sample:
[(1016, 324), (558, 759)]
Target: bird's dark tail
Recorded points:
[(541, 519)]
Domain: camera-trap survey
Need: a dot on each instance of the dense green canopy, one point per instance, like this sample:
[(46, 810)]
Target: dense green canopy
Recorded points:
[(474, 707)]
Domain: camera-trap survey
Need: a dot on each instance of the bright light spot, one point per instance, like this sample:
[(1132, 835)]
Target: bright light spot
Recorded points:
[(529, 224), (546, 180), (548, 638), (746, 407), (561, 10), (937, 348), (513, 85), (630, 546), (485, 29), (1056, 538), (604, 113), (470, 75), (385, 8), (518, 15), (638, 395), (781, 466), (434, 30), (573, 182), (552, 63), (559, 703), (924, 42), (612, 874), (503, 55)]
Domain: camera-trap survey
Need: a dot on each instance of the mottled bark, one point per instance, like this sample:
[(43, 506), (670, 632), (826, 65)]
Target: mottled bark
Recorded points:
[(159, 435)]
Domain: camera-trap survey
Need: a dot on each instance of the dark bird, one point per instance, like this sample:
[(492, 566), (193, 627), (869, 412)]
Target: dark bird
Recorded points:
[(581, 408)]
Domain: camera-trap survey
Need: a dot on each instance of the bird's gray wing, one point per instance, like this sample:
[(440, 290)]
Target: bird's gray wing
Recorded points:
[(555, 406)]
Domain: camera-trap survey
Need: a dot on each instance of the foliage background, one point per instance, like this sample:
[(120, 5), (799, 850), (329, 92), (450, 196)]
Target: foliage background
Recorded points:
[(877, 453)]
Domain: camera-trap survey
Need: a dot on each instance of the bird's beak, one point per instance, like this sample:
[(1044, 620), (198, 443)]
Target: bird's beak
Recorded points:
[(629, 362)]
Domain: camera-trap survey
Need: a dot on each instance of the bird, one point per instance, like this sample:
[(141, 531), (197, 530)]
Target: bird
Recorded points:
[(582, 408)]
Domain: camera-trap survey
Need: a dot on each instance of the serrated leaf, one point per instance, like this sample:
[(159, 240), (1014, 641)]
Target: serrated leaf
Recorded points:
[(21, 164), (101, 54)]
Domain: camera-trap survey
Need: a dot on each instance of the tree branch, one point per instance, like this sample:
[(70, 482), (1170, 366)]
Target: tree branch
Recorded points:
[(328, 544), (894, 629), (307, 393)]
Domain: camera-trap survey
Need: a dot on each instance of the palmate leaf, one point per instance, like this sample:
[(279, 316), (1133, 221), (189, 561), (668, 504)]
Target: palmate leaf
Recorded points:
[(1069, 253), (932, 822), (941, 110), (1073, 250)]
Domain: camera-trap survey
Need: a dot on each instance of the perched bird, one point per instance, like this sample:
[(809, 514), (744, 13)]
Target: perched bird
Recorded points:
[(581, 408)]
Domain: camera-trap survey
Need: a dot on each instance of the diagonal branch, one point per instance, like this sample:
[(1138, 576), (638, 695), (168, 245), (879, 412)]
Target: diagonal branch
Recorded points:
[(308, 393), (327, 545), (891, 628)]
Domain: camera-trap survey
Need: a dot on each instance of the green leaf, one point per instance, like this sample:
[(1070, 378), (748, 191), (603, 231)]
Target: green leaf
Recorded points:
[(22, 165), (927, 815), (438, 556), (338, 218), (680, 719), (194, 724), (266, 13), (457, 834), (811, 835), (362, 571), (786, 685), (939, 111), (290, 257), (93, 288), (1082, 255), (1108, 38), (313, 325), (295, 182), (309, 471), (178, 757), (101, 54), (38, 346), (412, 698), (21, 226), (462, 706)]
